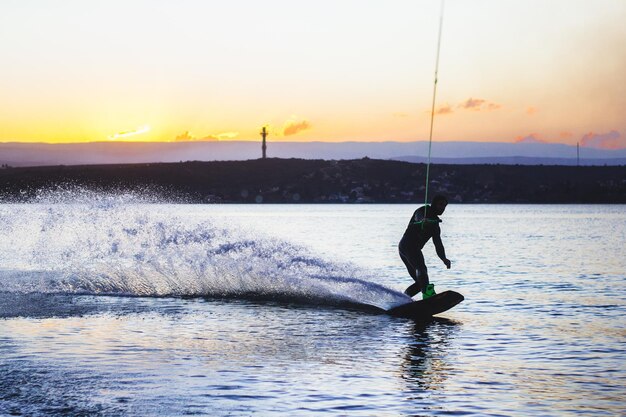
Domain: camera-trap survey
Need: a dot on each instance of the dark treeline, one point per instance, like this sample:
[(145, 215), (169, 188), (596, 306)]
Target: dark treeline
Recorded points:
[(319, 181)]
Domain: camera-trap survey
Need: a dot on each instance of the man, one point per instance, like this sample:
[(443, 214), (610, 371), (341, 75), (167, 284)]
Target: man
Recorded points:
[(423, 225)]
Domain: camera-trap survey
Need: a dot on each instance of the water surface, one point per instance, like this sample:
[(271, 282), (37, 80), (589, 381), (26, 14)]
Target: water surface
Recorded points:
[(114, 307)]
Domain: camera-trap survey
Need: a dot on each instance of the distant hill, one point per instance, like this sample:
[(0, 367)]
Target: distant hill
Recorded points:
[(276, 180), (516, 160), (38, 154)]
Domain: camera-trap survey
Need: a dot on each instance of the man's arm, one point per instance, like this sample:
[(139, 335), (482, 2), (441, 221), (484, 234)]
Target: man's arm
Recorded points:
[(441, 252)]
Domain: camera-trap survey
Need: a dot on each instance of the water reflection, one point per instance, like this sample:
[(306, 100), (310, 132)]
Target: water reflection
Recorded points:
[(426, 362)]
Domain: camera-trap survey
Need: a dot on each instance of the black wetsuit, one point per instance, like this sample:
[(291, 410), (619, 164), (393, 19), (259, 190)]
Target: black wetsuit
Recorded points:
[(412, 242)]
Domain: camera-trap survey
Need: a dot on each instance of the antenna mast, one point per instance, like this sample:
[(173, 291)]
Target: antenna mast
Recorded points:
[(264, 145)]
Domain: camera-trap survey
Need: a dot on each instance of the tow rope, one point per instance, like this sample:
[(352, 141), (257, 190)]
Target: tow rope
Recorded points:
[(432, 114)]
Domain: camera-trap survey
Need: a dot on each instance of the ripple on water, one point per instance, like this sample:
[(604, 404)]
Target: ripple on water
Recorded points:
[(541, 333)]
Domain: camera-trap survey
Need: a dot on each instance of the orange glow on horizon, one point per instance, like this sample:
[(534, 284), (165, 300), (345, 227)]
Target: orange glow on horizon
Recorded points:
[(330, 77)]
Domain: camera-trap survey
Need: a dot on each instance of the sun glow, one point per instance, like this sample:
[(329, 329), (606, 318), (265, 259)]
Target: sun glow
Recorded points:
[(361, 73), (130, 133)]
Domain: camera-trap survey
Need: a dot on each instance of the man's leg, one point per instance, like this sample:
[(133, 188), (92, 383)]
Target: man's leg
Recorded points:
[(414, 263), (428, 289), (422, 272), (409, 262), (412, 289)]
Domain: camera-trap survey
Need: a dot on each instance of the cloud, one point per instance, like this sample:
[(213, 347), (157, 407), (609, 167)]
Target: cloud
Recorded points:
[(445, 109), (127, 134), (186, 137), (293, 127), (566, 135), (472, 104), (531, 110), (478, 104), (224, 135), (400, 115), (531, 138), (611, 140)]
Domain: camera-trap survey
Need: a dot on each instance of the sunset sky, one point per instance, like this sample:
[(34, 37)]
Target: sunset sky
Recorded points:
[(329, 70)]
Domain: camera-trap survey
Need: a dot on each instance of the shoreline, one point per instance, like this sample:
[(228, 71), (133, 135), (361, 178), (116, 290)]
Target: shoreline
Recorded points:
[(356, 181)]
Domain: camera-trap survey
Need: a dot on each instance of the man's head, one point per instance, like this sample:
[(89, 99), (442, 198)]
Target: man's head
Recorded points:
[(439, 203)]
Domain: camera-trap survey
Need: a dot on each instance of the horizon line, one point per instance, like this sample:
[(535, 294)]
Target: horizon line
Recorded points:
[(14, 142)]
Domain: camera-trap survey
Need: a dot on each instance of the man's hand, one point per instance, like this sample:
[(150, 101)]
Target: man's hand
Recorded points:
[(447, 262)]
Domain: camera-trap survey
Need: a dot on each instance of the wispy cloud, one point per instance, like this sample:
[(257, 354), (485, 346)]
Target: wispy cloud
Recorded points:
[(531, 138), (472, 104), (187, 137), (478, 104), (530, 110), (400, 115), (445, 109), (610, 140), (566, 135), (224, 135), (292, 127), (129, 133), (184, 137)]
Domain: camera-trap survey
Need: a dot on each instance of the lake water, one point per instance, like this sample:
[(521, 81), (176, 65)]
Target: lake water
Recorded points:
[(111, 306)]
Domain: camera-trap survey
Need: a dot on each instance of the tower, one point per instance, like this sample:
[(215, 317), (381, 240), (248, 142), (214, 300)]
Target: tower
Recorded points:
[(264, 146)]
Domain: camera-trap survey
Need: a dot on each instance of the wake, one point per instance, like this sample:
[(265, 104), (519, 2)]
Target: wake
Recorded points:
[(127, 247)]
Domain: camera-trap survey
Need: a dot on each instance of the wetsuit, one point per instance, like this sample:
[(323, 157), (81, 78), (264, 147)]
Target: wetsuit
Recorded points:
[(412, 242)]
